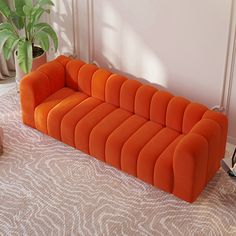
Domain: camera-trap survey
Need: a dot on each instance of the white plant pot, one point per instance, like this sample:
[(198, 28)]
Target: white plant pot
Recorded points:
[(38, 61)]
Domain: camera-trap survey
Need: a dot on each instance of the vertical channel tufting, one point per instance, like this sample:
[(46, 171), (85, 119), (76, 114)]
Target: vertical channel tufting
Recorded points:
[(192, 115), (34, 80), (143, 100), (100, 133), (112, 91), (211, 131), (87, 123), (159, 106), (63, 60), (221, 119), (71, 119), (135, 143), (175, 113), (85, 78), (72, 71), (55, 71), (56, 114), (128, 93), (99, 80), (42, 110), (151, 151), (163, 170), (119, 136)]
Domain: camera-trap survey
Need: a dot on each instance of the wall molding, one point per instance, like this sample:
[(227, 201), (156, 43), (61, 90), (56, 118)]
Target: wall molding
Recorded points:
[(229, 62)]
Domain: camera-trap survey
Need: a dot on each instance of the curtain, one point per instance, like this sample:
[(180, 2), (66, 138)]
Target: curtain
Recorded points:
[(7, 68)]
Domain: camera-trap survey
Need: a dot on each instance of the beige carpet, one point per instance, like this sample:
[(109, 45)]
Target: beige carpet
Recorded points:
[(48, 188)]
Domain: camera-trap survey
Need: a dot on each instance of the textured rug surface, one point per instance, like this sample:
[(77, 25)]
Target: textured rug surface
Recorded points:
[(48, 188)]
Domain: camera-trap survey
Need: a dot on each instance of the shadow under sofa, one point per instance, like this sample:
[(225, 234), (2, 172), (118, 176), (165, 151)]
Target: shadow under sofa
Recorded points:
[(164, 140)]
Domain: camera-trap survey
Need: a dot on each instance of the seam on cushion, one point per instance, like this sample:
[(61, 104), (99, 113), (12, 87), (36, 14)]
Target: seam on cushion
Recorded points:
[(65, 113), (167, 109), (119, 91), (81, 117), (101, 121), (144, 144), (158, 155), (150, 105), (90, 80), (104, 85), (172, 158), (49, 112), (77, 76), (78, 69), (48, 80), (86, 115), (115, 130), (61, 63), (208, 142), (134, 95), (127, 137), (183, 117), (64, 67), (194, 159), (195, 123), (209, 118), (139, 129)]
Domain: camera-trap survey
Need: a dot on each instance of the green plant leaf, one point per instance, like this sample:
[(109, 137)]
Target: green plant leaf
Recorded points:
[(45, 2), (4, 35), (17, 20), (4, 8), (27, 10), (35, 16), (25, 55), (6, 25), (19, 4), (37, 13), (43, 40), (49, 30), (29, 3), (52, 34), (9, 46)]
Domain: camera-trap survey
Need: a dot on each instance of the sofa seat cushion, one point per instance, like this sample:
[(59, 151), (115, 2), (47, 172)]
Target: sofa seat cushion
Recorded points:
[(42, 110), (163, 170), (127, 141), (100, 133), (56, 114), (91, 124), (119, 136)]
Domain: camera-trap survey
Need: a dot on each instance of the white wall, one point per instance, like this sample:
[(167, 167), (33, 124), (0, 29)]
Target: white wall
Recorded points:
[(232, 112), (61, 20), (180, 45)]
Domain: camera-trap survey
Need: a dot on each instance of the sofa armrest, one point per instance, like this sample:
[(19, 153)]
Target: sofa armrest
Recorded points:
[(222, 120), (38, 85), (197, 157), (190, 166)]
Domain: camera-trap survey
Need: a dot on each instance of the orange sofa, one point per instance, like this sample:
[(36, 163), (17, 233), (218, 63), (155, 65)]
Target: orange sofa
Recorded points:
[(164, 140)]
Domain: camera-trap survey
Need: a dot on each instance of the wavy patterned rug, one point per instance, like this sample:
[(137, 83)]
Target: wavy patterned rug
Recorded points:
[(48, 188)]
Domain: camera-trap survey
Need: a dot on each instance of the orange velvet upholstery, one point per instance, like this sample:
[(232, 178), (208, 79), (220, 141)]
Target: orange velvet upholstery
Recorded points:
[(167, 141)]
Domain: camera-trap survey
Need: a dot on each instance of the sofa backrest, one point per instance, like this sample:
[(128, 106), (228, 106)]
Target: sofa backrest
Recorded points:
[(158, 106)]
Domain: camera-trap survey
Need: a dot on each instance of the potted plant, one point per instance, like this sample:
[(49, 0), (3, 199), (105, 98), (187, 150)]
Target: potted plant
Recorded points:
[(24, 33)]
